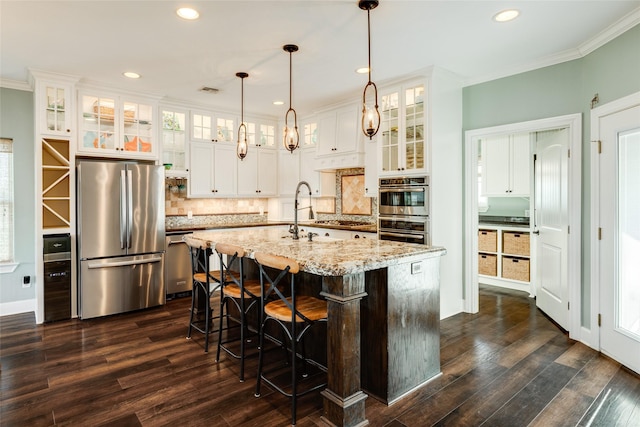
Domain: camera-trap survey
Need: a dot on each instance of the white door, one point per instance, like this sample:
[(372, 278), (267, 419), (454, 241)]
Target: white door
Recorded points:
[(552, 224), (619, 248)]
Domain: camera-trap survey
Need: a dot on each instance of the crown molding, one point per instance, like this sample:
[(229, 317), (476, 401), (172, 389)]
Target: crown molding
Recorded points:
[(603, 37), (616, 29), (15, 84)]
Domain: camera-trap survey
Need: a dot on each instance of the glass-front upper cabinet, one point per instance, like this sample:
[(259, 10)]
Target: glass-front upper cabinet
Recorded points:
[(57, 108), (98, 123), (210, 127), (267, 135), (174, 140), (113, 123), (261, 134), (138, 127), (309, 135), (225, 129), (402, 133)]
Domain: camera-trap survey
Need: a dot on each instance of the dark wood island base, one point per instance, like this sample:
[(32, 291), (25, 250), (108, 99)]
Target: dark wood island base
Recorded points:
[(397, 286)]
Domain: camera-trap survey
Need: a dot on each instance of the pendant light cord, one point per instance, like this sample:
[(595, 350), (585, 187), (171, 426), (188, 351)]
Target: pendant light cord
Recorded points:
[(290, 79), (369, 39)]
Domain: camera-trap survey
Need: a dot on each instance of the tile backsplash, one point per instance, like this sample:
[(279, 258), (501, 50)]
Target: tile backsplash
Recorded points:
[(210, 211)]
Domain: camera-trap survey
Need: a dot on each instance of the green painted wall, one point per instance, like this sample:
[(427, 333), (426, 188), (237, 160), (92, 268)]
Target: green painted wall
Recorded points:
[(16, 121), (612, 71)]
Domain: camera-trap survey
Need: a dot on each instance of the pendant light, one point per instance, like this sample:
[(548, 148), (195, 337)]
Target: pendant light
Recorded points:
[(291, 136), (370, 112), (242, 147)]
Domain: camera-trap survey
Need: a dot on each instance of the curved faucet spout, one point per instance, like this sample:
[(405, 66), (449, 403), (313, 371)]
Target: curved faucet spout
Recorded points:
[(296, 209)]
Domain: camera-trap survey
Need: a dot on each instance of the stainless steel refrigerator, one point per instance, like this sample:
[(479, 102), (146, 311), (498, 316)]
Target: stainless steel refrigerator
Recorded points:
[(120, 228)]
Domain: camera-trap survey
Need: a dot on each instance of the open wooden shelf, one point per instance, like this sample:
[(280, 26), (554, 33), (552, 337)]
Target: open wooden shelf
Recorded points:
[(56, 184)]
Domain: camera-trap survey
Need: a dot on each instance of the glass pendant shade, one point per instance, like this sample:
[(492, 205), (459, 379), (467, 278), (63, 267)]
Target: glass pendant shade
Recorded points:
[(370, 111), (291, 138), (242, 147), (291, 134)]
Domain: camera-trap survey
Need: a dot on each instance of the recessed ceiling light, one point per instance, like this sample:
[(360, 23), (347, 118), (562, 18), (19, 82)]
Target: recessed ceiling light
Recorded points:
[(362, 70), (506, 15), (278, 102), (131, 75), (187, 13)]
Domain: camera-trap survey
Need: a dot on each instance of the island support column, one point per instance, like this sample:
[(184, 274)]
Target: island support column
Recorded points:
[(344, 400)]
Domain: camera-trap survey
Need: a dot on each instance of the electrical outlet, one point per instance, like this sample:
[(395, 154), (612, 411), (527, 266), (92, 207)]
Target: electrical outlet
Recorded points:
[(189, 215), (26, 282)]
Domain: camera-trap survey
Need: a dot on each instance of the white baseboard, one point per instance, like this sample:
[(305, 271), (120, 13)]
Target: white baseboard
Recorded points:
[(17, 307)]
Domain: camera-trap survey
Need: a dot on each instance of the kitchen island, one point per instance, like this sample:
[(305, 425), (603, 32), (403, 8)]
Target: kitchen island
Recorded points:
[(389, 349)]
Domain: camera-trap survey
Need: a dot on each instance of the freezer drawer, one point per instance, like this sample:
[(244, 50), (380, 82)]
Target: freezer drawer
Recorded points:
[(117, 285)]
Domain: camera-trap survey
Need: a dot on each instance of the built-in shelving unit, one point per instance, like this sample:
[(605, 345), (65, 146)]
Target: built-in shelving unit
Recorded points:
[(504, 257), (56, 189)]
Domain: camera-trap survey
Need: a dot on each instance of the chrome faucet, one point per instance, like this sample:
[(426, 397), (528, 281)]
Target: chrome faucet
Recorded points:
[(294, 230)]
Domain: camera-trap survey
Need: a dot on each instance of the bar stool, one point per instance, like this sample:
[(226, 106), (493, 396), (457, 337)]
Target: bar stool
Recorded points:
[(243, 293), (205, 283), (295, 314)]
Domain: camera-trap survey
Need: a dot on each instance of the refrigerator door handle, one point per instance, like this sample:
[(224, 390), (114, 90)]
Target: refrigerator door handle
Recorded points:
[(124, 263), (123, 209), (129, 206)]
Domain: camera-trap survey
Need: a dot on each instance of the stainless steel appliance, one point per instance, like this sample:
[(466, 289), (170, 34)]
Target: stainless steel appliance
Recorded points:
[(178, 275), (404, 196), (404, 210), (57, 277), (120, 227)]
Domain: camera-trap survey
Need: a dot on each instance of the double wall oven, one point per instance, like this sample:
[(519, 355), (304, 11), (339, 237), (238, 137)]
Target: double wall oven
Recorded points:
[(403, 205)]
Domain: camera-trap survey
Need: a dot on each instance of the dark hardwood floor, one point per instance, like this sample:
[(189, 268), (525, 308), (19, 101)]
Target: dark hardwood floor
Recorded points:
[(506, 366)]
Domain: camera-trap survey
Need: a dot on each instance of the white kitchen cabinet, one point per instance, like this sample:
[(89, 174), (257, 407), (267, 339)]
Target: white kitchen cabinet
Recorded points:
[(288, 172), (212, 127), (212, 169), (308, 133), (402, 133), (54, 104), (370, 168), (506, 166), (323, 183), (174, 141), (117, 125), (339, 140), (258, 173)]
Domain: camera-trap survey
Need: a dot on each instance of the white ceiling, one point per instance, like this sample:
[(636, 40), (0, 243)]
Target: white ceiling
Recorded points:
[(98, 40)]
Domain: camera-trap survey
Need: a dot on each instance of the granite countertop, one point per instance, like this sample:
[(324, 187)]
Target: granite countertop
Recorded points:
[(325, 257), (505, 221), (371, 228)]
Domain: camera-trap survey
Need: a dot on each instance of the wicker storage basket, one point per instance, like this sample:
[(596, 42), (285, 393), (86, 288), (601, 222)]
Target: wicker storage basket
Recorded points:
[(515, 243), (515, 268), (488, 240), (488, 264)]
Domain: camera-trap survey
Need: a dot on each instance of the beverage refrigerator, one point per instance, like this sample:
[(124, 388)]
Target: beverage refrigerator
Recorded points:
[(120, 234)]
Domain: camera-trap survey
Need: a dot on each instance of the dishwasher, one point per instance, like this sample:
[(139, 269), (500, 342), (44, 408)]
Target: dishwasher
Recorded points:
[(177, 265)]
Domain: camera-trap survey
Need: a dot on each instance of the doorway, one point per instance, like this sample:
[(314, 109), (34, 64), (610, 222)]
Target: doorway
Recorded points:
[(616, 232), (572, 124)]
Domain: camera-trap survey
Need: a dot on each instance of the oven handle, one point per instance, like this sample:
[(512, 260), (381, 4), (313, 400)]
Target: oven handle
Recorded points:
[(415, 218), (417, 236), (395, 190)]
